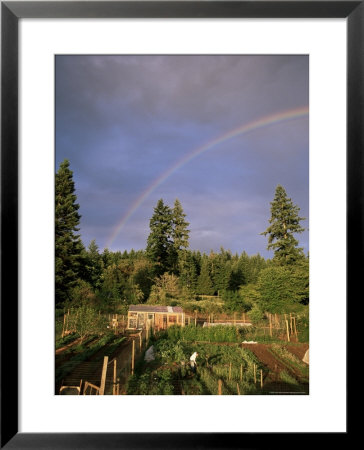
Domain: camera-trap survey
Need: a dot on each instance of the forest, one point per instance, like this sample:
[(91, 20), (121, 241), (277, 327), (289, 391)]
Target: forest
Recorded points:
[(168, 272)]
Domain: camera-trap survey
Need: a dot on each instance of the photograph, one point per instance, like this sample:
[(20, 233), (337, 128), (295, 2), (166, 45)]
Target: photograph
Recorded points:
[(181, 224)]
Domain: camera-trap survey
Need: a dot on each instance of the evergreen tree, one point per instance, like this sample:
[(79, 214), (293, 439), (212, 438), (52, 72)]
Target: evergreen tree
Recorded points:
[(188, 272), (180, 232), (280, 288), (94, 264), (285, 222), (159, 243), (68, 245), (204, 283), (180, 235)]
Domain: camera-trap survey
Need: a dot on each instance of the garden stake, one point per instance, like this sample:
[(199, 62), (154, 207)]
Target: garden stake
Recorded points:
[(241, 372), (219, 387), (261, 378), (237, 385), (290, 324), (287, 331)]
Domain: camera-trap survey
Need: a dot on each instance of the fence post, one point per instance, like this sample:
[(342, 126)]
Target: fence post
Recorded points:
[(241, 372), (64, 322), (219, 386), (132, 357), (237, 385), (295, 329), (68, 318), (103, 376), (261, 378), (255, 373), (114, 379), (270, 324), (288, 339)]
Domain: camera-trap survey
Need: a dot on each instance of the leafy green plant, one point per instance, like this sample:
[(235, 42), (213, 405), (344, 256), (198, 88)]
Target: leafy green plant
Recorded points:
[(66, 340)]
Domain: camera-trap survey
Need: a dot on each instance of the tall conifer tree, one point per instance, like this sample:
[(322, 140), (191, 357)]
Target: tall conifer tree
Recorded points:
[(159, 242), (204, 283), (68, 245), (180, 235), (284, 223)]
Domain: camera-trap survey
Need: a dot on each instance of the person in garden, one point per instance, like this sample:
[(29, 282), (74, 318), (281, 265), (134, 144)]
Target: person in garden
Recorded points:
[(193, 362)]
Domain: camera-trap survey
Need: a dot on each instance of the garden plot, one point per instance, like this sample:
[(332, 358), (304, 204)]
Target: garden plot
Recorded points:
[(83, 361), (286, 373), (221, 369), (225, 366)]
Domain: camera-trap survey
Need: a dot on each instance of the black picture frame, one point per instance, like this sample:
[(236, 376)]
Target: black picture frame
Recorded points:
[(11, 12)]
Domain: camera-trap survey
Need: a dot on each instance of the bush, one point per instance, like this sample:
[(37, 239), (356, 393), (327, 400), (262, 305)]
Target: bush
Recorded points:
[(256, 315)]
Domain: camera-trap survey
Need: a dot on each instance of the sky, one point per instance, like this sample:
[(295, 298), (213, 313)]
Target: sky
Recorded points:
[(218, 132)]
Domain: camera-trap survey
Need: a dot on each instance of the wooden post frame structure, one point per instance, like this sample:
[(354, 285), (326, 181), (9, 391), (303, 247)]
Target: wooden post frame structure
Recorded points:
[(11, 13), (159, 317)]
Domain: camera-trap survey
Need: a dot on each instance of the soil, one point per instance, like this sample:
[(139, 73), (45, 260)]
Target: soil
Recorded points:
[(263, 354), (297, 350), (273, 382)]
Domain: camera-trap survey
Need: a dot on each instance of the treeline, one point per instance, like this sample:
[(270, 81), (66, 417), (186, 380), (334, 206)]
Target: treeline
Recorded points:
[(168, 272)]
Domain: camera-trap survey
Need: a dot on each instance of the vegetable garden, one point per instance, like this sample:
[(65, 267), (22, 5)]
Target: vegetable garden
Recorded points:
[(225, 366), (232, 360)]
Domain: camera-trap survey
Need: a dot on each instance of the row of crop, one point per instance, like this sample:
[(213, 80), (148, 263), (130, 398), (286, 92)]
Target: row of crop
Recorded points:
[(208, 354), (220, 333), (61, 342), (86, 350), (157, 382), (172, 373), (290, 360)]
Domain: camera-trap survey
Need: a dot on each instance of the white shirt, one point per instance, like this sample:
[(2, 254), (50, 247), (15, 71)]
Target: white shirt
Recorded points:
[(193, 357)]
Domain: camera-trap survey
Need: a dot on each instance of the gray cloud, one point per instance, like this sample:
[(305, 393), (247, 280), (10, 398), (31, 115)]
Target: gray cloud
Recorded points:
[(123, 121)]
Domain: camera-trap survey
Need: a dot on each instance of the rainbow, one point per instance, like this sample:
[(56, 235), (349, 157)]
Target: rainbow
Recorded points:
[(246, 128)]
